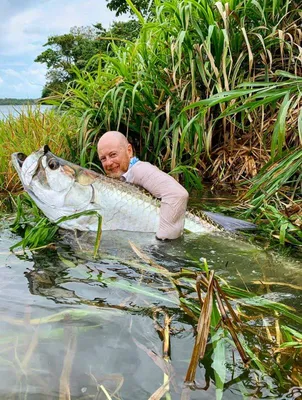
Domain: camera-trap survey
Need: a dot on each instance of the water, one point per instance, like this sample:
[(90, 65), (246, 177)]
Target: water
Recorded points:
[(15, 110), (64, 330)]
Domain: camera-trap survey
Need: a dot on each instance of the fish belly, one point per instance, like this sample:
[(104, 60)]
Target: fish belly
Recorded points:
[(195, 224)]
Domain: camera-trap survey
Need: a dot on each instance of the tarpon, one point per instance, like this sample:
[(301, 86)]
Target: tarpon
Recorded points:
[(60, 188)]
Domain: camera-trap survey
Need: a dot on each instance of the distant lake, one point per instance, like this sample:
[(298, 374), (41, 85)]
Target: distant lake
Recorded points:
[(6, 110)]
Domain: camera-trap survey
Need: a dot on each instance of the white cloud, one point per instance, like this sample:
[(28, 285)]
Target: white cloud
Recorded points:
[(1, 80), (14, 39), (26, 26), (11, 72), (18, 88), (27, 31)]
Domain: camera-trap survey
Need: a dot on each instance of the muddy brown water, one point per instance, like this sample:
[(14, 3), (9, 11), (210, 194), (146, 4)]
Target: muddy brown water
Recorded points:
[(66, 334)]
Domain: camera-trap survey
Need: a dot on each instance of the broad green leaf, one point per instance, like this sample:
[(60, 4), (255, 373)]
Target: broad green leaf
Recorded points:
[(140, 290), (219, 361)]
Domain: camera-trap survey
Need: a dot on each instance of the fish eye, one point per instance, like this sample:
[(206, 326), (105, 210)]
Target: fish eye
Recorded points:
[(53, 164)]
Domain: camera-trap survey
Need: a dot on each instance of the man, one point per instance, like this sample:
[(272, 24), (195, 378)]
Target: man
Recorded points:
[(116, 156)]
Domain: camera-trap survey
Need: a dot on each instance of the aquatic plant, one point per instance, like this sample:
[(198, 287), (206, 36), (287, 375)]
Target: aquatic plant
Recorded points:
[(274, 201), (226, 315), (37, 231), (224, 318), (234, 328), (275, 198), (25, 344)]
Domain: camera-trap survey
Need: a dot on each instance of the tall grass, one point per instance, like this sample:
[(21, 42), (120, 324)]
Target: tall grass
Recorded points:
[(189, 51), (275, 198), (27, 132), (209, 90)]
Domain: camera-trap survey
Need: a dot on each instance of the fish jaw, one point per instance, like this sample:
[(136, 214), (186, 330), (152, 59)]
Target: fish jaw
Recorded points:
[(27, 167)]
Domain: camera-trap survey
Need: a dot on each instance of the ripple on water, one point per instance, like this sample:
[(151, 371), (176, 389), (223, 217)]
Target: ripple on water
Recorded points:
[(57, 311)]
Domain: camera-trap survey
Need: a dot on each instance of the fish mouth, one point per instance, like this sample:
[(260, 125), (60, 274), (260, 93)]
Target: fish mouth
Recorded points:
[(20, 158)]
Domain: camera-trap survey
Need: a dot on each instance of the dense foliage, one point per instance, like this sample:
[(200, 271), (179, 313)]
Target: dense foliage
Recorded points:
[(208, 90), (192, 51), (122, 6), (76, 48)]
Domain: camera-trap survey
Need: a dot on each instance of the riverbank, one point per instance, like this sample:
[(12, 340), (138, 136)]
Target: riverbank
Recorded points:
[(15, 102)]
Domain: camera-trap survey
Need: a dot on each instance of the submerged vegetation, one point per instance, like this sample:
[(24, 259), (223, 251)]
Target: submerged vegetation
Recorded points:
[(234, 319), (244, 341)]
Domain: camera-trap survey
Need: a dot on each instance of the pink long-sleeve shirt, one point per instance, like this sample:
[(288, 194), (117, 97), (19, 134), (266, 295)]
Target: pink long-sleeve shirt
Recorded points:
[(173, 196)]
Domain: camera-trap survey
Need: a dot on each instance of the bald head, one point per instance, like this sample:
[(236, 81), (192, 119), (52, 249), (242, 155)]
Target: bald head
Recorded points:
[(115, 153), (113, 137)]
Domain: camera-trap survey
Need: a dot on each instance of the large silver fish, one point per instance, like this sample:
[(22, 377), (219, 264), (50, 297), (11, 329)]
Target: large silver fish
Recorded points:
[(60, 188)]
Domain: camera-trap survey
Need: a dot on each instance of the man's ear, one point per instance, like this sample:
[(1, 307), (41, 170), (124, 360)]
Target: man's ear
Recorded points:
[(130, 150)]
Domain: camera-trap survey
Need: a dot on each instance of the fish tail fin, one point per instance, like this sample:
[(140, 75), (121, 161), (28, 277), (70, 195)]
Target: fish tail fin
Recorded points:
[(230, 223)]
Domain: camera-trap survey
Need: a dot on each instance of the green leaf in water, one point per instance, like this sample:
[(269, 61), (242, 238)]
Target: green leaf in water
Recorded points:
[(139, 289), (219, 361)]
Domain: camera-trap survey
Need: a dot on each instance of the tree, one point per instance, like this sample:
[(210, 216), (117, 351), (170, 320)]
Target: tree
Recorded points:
[(76, 48), (65, 51), (122, 7), (125, 30)]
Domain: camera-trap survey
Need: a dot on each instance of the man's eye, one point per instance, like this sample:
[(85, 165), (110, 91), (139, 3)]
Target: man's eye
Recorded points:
[(112, 155)]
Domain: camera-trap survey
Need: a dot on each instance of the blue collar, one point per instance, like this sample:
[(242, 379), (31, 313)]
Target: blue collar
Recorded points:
[(133, 161)]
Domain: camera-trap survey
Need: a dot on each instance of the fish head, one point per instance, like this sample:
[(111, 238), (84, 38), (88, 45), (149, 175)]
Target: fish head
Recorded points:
[(44, 170), (53, 183)]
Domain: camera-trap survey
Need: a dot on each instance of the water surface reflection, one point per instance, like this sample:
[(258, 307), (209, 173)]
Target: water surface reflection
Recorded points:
[(65, 332)]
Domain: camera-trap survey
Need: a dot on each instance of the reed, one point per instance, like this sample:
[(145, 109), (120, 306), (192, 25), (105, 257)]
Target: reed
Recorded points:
[(232, 325), (208, 91), (27, 132), (275, 199), (177, 90)]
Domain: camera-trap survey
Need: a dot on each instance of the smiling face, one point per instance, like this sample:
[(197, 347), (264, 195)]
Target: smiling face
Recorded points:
[(115, 154)]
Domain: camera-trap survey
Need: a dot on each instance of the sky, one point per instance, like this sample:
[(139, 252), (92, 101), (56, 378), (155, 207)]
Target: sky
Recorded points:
[(25, 27)]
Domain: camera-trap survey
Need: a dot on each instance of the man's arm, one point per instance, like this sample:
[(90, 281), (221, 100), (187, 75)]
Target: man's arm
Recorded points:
[(174, 197)]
